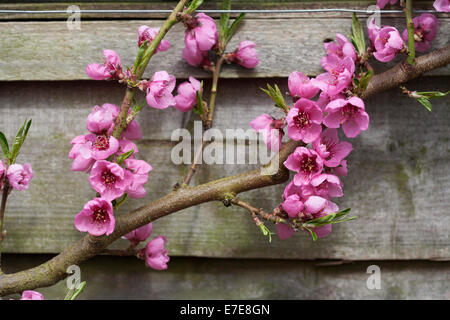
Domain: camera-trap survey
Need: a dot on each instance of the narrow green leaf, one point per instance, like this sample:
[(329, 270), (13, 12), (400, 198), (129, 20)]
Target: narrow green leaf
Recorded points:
[(4, 145), (78, 291), (234, 26), (199, 106), (312, 233), (224, 19), (265, 231), (365, 79), (193, 6), (19, 140), (140, 55), (121, 158), (275, 94), (425, 102), (432, 94), (358, 35), (137, 108), (331, 218)]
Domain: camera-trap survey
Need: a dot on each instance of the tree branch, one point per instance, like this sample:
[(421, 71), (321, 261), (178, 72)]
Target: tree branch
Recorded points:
[(54, 270), (404, 72)]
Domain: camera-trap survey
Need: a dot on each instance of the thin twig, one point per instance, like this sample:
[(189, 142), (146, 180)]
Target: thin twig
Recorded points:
[(207, 123), (2, 215)]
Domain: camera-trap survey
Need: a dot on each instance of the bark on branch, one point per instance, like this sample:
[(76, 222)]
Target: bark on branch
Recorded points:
[(54, 270)]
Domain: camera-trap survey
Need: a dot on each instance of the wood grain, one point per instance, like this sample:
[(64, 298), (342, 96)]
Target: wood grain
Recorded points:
[(189, 278), (50, 51), (398, 176)]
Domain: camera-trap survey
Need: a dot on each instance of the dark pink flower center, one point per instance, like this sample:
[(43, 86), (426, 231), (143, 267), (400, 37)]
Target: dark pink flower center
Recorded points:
[(419, 34), (349, 111), (301, 120), (101, 143), (108, 178), (100, 215), (308, 164)]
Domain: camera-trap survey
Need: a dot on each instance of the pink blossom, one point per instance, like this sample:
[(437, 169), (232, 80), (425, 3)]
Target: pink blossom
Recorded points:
[(425, 30), (350, 113), (284, 231), (187, 94), (109, 179), (325, 230), (91, 147), (101, 119), (306, 162), (340, 170), (110, 69), (205, 31), (382, 3), (191, 52), (19, 176), (314, 207), (442, 5), (338, 77), (2, 174), (245, 55), (343, 48), (304, 121), (82, 161), (291, 189), (148, 34), (373, 30), (387, 43), (271, 130), (96, 218), (293, 205), (300, 86), (155, 255), (139, 234), (325, 186), (325, 99), (126, 146), (159, 91), (296, 207), (31, 295), (139, 176), (330, 149), (132, 131)]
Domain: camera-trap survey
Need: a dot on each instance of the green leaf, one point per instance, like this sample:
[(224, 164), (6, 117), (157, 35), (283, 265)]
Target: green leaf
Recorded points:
[(193, 6), (425, 102), (365, 79), (19, 140), (358, 35), (331, 218), (275, 94), (140, 55), (4, 145), (199, 106), (265, 231), (432, 94), (234, 26), (72, 295), (224, 19), (312, 233), (121, 158)]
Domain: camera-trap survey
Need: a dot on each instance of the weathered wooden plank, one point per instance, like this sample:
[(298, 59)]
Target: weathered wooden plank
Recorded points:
[(187, 278), (50, 51), (398, 182), (167, 5)]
